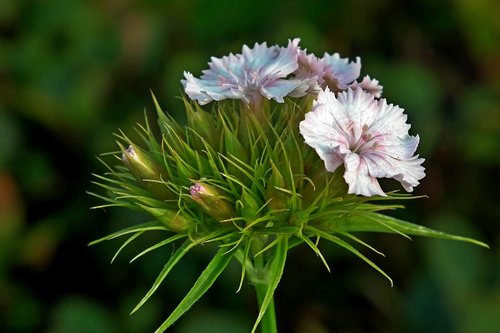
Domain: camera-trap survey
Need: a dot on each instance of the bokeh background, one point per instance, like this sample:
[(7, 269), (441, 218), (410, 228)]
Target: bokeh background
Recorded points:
[(74, 72)]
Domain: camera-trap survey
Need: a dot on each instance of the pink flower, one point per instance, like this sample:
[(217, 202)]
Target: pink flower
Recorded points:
[(333, 72), (368, 136), (311, 70)]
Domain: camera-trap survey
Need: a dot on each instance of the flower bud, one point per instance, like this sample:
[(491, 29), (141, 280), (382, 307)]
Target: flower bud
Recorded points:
[(202, 123), (172, 219), (250, 206), (278, 199), (147, 171), (212, 201)]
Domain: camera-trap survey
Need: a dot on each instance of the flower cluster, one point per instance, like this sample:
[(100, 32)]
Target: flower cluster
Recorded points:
[(289, 154), (274, 73), (368, 136)]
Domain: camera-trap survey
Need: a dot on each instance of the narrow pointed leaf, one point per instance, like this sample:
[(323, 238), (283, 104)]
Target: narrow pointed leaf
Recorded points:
[(136, 228), (174, 259), (200, 287), (275, 271), (374, 222), (157, 245), (350, 248), (128, 241)]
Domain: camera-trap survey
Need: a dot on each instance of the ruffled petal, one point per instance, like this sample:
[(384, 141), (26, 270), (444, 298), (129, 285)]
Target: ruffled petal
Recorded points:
[(270, 63), (408, 172), (360, 108), (390, 119), (339, 72), (369, 85), (304, 87), (358, 177), (278, 89), (309, 66), (205, 91)]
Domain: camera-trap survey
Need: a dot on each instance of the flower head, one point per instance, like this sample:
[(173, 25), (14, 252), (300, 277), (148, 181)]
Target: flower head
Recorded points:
[(256, 73), (368, 136), (333, 72)]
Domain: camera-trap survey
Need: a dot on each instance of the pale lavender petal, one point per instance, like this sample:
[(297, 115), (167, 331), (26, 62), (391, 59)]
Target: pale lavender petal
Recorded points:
[(339, 72), (270, 63), (304, 87), (309, 66), (205, 91), (279, 89)]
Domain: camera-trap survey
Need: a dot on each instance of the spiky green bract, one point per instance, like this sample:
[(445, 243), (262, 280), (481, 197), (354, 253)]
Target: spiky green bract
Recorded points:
[(258, 192)]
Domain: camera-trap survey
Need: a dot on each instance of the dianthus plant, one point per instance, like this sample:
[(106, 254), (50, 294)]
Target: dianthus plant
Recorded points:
[(281, 149)]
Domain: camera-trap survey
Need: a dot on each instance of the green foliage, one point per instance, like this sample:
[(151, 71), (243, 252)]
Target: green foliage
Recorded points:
[(243, 179)]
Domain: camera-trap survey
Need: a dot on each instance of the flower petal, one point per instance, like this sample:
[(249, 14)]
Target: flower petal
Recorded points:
[(358, 177), (369, 85), (205, 91), (339, 72), (279, 89)]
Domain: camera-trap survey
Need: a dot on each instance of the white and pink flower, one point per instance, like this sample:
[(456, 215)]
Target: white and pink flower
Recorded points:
[(368, 136)]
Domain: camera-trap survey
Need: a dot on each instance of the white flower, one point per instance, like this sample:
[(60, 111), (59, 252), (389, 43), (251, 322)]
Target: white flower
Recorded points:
[(260, 71), (368, 136)]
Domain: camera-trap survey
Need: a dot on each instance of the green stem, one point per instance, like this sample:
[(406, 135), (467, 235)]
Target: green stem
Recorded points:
[(258, 276), (268, 323)]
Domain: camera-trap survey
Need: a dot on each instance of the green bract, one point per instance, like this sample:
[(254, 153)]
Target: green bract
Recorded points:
[(258, 192)]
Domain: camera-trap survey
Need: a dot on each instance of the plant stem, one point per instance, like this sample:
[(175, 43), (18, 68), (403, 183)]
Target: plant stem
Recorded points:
[(268, 323)]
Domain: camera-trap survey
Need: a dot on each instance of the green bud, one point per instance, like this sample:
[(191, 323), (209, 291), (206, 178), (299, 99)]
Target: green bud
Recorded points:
[(233, 146), (172, 219), (250, 206), (212, 201), (144, 168), (278, 199), (202, 123)]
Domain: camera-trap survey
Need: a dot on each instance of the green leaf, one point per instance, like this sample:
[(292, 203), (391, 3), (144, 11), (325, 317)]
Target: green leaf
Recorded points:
[(174, 259), (374, 222), (200, 287), (274, 273), (316, 250), (350, 248), (136, 228), (128, 241), (159, 244)]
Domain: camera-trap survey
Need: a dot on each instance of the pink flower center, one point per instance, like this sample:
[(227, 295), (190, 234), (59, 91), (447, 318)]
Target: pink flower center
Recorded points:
[(365, 142)]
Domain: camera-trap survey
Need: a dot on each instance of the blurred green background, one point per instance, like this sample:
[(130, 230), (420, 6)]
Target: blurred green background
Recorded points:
[(73, 72)]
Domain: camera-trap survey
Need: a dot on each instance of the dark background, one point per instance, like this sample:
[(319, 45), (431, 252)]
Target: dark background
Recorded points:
[(74, 72)]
